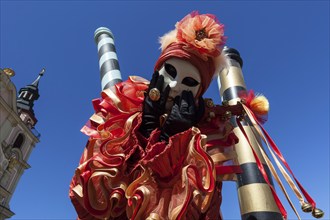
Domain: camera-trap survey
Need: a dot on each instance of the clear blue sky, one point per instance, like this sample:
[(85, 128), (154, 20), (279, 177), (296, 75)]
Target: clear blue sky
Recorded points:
[(285, 47)]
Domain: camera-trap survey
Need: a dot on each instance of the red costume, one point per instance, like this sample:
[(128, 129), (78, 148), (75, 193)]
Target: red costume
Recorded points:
[(123, 175)]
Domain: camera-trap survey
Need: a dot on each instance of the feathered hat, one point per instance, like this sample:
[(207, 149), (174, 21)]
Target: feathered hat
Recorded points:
[(199, 39)]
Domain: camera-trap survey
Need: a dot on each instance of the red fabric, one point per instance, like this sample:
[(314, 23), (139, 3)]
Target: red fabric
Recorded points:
[(119, 163), (228, 169)]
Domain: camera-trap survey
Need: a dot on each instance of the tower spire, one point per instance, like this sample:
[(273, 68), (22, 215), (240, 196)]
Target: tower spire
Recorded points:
[(25, 102), (36, 82)]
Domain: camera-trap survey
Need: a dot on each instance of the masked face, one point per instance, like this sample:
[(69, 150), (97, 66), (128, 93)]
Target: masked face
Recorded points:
[(180, 75)]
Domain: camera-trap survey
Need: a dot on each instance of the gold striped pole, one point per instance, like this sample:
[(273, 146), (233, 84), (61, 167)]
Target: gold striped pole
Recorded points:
[(255, 197)]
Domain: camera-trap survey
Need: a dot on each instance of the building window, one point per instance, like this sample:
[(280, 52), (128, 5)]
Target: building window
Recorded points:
[(19, 141)]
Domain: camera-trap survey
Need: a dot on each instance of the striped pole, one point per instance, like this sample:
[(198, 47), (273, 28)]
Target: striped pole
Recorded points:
[(255, 197), (108, 61)]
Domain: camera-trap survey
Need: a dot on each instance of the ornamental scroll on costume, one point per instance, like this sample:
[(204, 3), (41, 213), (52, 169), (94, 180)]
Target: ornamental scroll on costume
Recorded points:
[(160, 150)]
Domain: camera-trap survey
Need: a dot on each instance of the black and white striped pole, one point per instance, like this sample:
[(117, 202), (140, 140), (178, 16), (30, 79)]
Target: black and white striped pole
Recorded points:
[(108, 61), (255, 197)]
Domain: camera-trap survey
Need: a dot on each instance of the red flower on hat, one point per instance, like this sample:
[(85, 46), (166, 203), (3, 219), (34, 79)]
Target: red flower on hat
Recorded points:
[(201, 32)]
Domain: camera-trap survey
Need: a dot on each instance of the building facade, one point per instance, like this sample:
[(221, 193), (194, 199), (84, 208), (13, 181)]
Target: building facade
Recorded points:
[(18, 136)]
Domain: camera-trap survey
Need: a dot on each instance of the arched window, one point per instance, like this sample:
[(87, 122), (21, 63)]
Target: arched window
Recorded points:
[(19, 141)]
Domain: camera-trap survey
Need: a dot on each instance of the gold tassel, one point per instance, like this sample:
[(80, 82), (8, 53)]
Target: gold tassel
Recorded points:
[(260, 105)]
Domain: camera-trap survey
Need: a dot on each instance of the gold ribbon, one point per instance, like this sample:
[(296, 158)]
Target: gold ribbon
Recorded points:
[(279, 165)]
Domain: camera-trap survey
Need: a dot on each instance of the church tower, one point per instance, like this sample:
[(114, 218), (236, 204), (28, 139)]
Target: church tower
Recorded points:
[(25, 102), (18, 135)]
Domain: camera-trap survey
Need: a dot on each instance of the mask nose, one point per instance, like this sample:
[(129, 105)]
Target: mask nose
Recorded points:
[(175, 89), (173, 84)]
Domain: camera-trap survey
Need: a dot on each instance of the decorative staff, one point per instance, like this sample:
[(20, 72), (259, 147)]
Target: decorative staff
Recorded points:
[(256, 193), (108, 61), (250, 183)]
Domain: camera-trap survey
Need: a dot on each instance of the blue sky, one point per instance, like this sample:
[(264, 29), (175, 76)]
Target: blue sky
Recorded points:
[(284, 45)]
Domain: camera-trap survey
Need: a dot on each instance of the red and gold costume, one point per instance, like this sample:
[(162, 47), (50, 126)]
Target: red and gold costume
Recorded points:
[(124, 175)]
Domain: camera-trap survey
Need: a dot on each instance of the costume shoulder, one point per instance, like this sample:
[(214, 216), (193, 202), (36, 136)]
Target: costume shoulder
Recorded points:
[(115, 106), (98, 187)]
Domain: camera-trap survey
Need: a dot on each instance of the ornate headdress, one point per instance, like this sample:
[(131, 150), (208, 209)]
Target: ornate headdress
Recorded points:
[(198, 39)]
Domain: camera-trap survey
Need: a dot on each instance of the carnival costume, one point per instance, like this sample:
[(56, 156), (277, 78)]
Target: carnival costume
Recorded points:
[(145, 161), (124, 173)]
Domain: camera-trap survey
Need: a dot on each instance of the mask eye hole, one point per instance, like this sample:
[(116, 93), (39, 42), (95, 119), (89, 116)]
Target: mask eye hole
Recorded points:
[(191, 82), (170, 70)]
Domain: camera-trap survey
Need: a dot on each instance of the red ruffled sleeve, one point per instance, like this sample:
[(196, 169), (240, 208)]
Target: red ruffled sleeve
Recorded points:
[(106, 167)]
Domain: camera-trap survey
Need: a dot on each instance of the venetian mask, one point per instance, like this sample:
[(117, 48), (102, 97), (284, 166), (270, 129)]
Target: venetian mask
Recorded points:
[(180, 75)]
